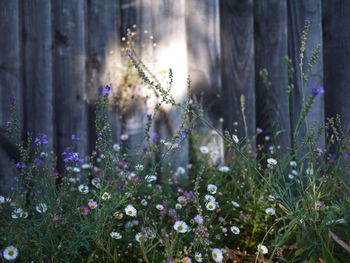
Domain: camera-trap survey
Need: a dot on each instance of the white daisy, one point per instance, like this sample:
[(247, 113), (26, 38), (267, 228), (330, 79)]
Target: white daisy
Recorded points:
[(181, 170), (10, 253), (116, 147), (293, 163), (178, 206), (139, 237), (217, 255), (92, 204), (19, 213), (115, 235), (235, 138), (130, 210), (76, 169), (224, 169), (235, 230), (96, 182), (211, 206), (295, 172), (2, 199), (271, 162), (204, 149), (83, 188), (41, 208), (235, 204), (209, 198), (118, 215), (262, 249), (144, 202), (181, 226), (212, 188), (105, 196), (198, 257), (124, 137), (150, 178), (159, 207), (270, 211), (139, 167), (86, 166)]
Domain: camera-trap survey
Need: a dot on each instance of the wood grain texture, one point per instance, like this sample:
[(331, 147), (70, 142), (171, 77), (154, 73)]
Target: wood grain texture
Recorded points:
[(11, 76), (141, 100), (171, 53), (203, 47), (237, 64), (69, 54), (37, 52), (336, 43), (271, 46), (103, 58), (298, 13)]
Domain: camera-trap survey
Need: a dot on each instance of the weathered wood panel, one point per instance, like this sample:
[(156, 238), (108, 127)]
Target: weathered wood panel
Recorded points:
[(103, 58), (237, 63), (171, 53), (336, 42), (203, 47), (69, 77), (141, 97), (11, 78), (271, 46), (37, 52), (298, 13)]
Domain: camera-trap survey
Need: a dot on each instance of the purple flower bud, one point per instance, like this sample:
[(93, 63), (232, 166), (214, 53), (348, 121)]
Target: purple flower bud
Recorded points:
[(75, 137), (128, 53), (105, 90), (316, 90)]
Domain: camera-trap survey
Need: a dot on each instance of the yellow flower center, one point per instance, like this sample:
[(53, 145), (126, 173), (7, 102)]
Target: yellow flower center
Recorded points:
[(129, 212), (180, 228), (11, 253), (215, 255)]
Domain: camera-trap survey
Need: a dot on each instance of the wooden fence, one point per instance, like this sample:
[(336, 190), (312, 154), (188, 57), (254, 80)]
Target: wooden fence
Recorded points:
[(55, 54)]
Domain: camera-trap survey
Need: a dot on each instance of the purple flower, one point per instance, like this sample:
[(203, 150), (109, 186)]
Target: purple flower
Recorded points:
[(41, 140), (316, 90), (122, 164), (165, 203), (72, 157), (149, 117), (75, 137), (347, 156), (37, 160), (84, 210), (128, 53), (105, 89), (184, 133), (8, 123), (19, 165)]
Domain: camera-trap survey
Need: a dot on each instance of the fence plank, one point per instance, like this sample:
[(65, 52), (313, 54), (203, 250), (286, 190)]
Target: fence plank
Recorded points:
[(10, 75), (141, 98), (38, 79), (171, 52), (336, 41), (69, 73), (103, 58), (298, 13), (203, 47), (271, 45), (237, 63)]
